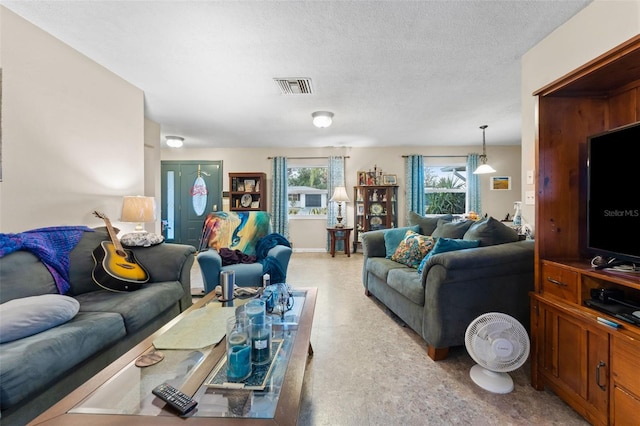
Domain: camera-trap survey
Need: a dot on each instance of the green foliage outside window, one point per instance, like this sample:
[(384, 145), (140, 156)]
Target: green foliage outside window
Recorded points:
[(441, 201)]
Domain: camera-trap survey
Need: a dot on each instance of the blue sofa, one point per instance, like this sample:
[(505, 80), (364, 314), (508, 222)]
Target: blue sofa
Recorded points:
[(39, 369), (454, 287)]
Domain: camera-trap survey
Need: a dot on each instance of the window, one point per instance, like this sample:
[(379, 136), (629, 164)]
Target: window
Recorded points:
[(445, 188), (307, 191), (313, 200)]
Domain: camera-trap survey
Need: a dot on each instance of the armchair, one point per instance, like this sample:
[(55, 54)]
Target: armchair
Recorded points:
[(250, 234)]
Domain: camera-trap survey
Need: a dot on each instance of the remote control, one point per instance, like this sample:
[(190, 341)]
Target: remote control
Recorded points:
[(174, 398), (629, 318)]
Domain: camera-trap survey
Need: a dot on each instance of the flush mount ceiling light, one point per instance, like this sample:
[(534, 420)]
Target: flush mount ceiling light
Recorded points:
[(174, 141), (322, 118), (484, 167)]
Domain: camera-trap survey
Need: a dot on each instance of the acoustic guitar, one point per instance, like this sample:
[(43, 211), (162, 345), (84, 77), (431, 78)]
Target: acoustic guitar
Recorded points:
[(116, 268)]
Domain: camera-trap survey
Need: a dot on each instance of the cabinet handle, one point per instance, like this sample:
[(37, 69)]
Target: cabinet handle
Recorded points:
[(600, 365), (556, 282)]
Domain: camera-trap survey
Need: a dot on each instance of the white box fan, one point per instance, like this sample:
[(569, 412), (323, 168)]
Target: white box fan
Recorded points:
[(499, 344)]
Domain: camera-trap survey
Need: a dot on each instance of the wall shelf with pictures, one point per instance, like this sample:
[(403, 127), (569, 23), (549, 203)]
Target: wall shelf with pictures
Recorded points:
[(376, 207), (247, 191)]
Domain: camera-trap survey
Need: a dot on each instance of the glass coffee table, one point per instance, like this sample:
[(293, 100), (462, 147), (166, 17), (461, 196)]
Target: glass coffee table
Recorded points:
[(121, 393)]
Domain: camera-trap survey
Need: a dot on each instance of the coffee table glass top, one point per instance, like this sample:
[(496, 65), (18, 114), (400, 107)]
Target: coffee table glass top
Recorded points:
[(129, 391)]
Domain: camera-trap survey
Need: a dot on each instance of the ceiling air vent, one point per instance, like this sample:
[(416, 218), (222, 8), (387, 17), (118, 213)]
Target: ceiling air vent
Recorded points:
[(294, 86)]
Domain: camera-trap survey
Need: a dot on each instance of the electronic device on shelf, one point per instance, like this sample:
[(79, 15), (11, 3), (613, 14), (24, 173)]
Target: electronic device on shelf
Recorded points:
[(612, 302), (613, 209)]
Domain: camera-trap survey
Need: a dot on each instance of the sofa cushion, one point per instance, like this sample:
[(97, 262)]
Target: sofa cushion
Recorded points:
[(406, 282), (491, 232), (412, 249), (380, 267), (30, 364), (155, 298), (30, 315), (449, 229), (393, 237), (14, 283), (427, 224), (447, 244), (81, 262)]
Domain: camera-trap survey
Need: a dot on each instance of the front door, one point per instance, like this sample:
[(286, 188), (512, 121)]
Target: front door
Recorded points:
[(191, 190)]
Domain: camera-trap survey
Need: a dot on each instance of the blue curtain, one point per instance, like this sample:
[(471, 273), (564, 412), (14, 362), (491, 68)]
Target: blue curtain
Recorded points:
[(335, 178), (279, 201), (473, 184), (414, 176)]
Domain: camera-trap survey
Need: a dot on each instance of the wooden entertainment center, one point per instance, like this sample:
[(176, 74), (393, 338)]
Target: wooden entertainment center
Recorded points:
[(595, 368)]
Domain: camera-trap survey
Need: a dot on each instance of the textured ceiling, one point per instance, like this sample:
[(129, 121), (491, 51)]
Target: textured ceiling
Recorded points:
[(393, 72)]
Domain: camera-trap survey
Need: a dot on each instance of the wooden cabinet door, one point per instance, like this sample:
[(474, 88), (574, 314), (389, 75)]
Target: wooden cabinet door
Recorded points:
[(574, 358)]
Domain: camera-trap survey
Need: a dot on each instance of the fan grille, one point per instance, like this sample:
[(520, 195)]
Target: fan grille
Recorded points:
[(497, 342)]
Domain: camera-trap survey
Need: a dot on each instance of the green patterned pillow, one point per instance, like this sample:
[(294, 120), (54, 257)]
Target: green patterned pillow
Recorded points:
[(412, 249)]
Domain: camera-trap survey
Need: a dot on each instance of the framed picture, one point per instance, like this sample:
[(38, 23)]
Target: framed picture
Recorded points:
[(249, 185), (500, 183), (389, 180), (240, 187), (362, 178), (360, 209)]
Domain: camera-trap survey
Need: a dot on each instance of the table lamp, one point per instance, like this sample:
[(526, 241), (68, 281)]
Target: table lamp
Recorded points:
[(138, 209), (340, 196)]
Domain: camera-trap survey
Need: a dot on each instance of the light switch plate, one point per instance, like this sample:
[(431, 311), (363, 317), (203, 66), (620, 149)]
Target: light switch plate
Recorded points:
[(530, 197), (529, 177)]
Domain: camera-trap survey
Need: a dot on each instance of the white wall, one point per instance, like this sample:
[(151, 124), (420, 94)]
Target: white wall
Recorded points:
[(310, 234), (599, 27), (73, 133)]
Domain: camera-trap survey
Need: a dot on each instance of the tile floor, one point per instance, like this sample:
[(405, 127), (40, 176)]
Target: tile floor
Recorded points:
[(368, 369)]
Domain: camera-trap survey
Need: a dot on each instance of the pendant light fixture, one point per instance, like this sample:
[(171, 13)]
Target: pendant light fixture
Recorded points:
[(484, 167)]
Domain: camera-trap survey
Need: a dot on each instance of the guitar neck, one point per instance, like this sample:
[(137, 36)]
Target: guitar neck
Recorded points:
[(114, 238)]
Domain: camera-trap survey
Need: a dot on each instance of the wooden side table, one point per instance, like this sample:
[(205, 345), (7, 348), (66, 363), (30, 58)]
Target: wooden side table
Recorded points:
[(340, 234)]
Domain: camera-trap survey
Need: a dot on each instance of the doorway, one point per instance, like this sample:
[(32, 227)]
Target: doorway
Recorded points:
[(190, 191)]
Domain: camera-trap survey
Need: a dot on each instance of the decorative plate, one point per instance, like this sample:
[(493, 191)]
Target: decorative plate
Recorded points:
[(376, 208), (376, 221), (245, 201)]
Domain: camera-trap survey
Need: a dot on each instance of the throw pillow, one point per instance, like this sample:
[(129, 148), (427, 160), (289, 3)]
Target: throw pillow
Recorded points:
[(447, 244), (490, 232), (30, 315), (446, 229), (141, 239), (392, 238), (427, 224), (412, 249)]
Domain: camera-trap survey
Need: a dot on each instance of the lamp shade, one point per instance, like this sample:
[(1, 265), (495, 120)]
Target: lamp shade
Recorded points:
[(340, 195), (483, 169), (138, 209), (322, 118)]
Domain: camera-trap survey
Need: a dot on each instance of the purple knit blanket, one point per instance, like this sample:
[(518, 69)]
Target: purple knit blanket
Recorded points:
[(52, 246)]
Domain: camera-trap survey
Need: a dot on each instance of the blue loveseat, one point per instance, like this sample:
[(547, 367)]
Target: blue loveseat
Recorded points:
[(454, 287), (38, 370)]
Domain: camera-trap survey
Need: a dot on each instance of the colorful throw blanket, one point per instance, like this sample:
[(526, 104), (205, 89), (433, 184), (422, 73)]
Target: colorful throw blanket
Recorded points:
[(52, 246), (235, 230)]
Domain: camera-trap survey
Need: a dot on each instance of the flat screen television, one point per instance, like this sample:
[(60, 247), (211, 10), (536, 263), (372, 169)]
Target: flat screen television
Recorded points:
[(613, 194)]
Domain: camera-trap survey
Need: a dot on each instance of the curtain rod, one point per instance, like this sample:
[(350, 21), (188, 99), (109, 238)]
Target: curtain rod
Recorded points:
[(439, 156), (309, 158)]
